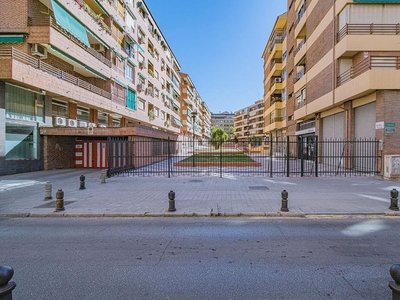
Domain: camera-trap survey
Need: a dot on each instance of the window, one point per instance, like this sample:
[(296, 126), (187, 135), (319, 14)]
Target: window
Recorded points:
[(23, 104), (21, 142), (102, 118), (129, 47), (83, 113), (141, 104), (129, 72), (131, 99), (156, 112), (59, 108)]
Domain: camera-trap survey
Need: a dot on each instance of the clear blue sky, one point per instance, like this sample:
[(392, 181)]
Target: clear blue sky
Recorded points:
[(219, 43)]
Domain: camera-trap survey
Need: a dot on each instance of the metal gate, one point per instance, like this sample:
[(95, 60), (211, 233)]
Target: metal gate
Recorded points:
[(292, 156)]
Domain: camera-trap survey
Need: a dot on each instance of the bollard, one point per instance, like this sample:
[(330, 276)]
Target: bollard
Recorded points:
[(6, 286), (284, 195), (47, 191), (171, 197), (59, 201), (395, 285), (82, 182), (394, 195), (103, 177)]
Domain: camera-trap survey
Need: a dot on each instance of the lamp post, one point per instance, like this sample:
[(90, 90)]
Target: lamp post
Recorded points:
[(194, 114)]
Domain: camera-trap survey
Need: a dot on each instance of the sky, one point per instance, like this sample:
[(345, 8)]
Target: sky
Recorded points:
[(219, 43)]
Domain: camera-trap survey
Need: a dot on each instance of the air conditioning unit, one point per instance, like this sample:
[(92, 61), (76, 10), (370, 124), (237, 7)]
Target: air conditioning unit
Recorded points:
[(59, 121), (98, 48), (142, 65), (140, 87), (82, 124), (149, 91), (91, 125), (72, 123), (39, 50), (278, 79)]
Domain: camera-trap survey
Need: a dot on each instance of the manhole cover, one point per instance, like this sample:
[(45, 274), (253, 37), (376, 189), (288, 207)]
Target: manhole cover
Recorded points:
[(52, 204), (258, 188), (195, 180)]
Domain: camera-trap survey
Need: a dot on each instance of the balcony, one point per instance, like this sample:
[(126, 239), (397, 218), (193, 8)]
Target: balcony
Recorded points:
[(371, 74), (49, 21), (353, 38), (24, 69)]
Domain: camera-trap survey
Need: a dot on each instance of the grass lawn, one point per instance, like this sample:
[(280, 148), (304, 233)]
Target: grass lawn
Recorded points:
[(226, 158)]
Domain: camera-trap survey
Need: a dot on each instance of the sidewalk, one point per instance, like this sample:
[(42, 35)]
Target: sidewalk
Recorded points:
[(22, 195)]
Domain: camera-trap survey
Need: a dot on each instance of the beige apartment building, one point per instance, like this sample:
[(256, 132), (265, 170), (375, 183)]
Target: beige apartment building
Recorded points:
[(75, 72), (249, 121), (195, 115), (332, 70)]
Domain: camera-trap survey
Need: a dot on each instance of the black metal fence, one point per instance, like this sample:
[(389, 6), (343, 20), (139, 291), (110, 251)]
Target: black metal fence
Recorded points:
[(292, 156)]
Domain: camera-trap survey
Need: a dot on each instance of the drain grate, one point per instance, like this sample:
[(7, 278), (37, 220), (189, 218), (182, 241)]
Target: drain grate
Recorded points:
[(52, 204), (259, 188)]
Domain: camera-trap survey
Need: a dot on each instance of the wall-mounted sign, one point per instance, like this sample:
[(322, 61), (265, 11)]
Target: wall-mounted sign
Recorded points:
[(390, 124), (379, 125), (390, 130)]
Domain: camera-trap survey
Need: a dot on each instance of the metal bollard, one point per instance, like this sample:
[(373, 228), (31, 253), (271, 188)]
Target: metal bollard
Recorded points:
[(59, 201), (103, 177), (82, 182), (171, 197), (284, 206), (47, 191), (6, 286), (394, 196), (395, 285)]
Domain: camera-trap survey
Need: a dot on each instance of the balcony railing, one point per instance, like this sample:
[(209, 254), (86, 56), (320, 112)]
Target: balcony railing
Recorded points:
[(274, 62), (49, 21), (368, 29), (62, 75), (368, 64)]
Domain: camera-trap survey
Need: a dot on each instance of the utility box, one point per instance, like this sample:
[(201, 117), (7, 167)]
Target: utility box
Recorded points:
[(392, 167)]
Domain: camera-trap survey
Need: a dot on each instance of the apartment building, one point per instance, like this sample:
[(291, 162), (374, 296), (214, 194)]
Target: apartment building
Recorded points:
[(195, 114), (249, 121), (340, 72), (75, 72), (274, 55), (224, 120)]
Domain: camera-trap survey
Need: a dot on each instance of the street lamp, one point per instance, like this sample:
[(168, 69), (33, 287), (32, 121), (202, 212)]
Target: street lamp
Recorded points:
[(194, 114)]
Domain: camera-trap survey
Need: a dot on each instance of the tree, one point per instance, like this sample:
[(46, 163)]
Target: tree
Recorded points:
[(255, 141), (218, 137)]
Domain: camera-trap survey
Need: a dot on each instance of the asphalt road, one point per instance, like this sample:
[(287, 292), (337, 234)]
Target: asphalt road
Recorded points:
[(200, 258)]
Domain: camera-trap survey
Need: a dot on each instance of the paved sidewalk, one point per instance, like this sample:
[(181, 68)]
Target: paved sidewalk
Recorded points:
[(23, 195)]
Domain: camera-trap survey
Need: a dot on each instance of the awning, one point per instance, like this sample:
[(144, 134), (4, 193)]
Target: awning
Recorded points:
[(69, 23), (131, 61), (11, 38), (97, 39), (176, 106), (120, 83), (141, 75), (140, 48), (177, 122)]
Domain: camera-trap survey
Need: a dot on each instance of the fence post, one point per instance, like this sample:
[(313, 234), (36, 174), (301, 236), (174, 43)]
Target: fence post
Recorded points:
[(301, 157), (109, 155), (169, 157), (316, 155), (287, 156), (270, 157), (220, 159)]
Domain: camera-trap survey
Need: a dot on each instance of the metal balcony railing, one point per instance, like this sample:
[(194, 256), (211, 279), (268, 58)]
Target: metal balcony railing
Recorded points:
[(368, 29), (60, 74), (368, 64)]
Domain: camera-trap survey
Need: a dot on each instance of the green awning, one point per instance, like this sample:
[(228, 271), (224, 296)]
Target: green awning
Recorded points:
[(120, 83), (178, 122), (175, 105), (11, 38), (131, 61), (141, 75), (140, 48), (69, 23)]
